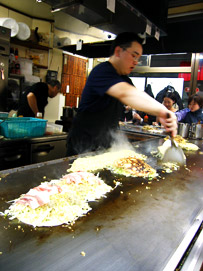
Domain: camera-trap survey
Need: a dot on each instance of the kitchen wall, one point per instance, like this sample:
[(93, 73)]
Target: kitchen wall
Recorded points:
[(64, 27), (49, 58), (54, 109), (53, 58)]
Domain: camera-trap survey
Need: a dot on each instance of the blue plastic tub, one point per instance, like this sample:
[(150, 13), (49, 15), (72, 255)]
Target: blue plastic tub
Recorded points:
[(22, 127), (3, 115)]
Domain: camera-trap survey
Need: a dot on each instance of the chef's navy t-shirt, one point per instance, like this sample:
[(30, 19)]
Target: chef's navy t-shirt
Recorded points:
[(101, 78), (98, 114)]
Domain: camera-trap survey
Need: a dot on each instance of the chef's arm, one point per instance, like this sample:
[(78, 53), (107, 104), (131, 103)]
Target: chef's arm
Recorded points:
[(32, 101), (135, 98), (141, 101)]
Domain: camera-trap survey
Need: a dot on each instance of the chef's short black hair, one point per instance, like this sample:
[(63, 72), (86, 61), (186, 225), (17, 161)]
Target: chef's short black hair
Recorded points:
[(54, 83), (124, 40), (197, 98)]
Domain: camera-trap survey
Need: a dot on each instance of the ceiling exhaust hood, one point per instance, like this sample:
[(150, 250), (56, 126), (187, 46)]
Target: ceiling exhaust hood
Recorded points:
[(143, 17), (91, 50), (127, 16)]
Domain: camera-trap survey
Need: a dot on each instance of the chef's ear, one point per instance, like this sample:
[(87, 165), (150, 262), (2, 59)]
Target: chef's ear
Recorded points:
[(117, 51)]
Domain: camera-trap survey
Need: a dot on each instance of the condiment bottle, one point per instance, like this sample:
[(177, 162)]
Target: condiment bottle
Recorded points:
[(17, 64), (146, 118)]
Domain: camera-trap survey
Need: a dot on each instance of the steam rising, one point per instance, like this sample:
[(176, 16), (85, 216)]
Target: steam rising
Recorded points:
[(120, 142)]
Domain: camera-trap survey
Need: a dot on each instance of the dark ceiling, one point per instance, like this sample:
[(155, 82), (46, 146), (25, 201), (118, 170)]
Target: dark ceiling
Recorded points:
[(178, 21)]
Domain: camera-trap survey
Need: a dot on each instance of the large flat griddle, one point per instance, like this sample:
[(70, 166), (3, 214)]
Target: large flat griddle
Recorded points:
[(138, 227)]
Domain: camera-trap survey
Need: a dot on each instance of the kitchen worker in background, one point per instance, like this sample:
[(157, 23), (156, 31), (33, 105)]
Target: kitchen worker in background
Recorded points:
[(194, 112), (106, 90), (35, 98)]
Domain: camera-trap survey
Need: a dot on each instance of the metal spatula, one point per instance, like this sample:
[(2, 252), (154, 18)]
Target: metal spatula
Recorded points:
[(174, 153)]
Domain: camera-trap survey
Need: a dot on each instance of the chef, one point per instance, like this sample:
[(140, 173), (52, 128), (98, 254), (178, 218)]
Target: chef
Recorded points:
[(106, 90)]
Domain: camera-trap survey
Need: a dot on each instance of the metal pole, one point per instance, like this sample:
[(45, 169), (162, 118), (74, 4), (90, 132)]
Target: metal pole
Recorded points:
[(194, 73)]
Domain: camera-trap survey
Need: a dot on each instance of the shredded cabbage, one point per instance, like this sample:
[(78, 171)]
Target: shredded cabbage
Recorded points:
[(63, 208), (93, 163)]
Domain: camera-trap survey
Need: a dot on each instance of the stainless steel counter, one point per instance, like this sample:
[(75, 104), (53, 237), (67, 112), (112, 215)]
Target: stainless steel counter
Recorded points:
[(140, 229), (138, 129), (25, 151), (52, 137)]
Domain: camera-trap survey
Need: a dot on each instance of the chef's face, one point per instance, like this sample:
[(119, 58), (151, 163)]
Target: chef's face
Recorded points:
[(129, 57), (53, 91), (193, 106), (168, 103)]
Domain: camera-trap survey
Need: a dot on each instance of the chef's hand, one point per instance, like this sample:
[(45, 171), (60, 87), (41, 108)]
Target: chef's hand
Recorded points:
[(169, 121)]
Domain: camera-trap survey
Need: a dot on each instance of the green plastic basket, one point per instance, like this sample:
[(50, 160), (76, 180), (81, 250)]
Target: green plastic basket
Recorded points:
[(22, 127)]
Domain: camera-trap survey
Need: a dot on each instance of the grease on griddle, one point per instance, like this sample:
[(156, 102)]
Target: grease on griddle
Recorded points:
[(98, 228), (42, 237)]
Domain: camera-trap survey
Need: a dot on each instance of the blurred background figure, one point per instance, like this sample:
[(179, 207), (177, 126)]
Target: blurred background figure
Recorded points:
[(130, 115), (194, 112), (169, 89), (169, 101), (146, 119)]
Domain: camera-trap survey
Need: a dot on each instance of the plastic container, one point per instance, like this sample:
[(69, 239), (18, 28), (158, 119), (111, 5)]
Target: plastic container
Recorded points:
[(53, 128), (23, 127), (10, 23), (23, 32), (3, 115)]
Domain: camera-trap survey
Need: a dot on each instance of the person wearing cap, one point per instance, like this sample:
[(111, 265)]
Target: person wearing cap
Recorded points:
[(35, 98), (106, 90)]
